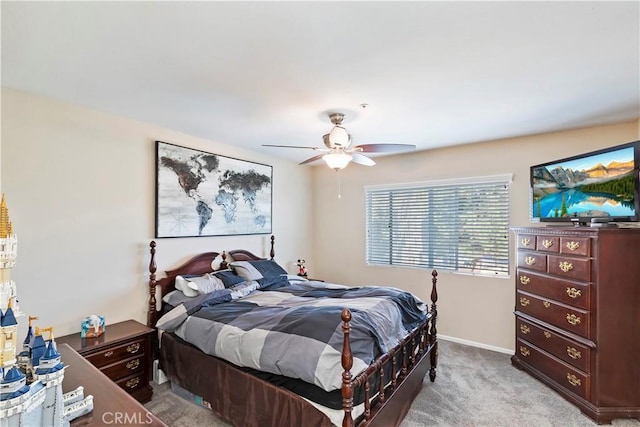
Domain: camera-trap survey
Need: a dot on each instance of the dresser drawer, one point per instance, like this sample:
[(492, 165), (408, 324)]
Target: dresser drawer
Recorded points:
[(572, 352), (113, 354), (125, 367), (567, 376), (572, 268), (575, 246), (532, 261), (548, 244), (568, 318), (571, 293), (526, 241)]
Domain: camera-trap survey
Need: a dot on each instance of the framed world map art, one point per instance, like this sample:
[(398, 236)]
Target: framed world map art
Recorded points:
[(205, 194)]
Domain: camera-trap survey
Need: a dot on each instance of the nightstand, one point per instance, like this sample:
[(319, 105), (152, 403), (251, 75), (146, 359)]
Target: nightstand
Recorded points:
[(123, 353)]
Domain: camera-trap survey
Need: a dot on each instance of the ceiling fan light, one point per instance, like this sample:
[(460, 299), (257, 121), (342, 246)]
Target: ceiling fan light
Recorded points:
[(337, 160), (339, 137)]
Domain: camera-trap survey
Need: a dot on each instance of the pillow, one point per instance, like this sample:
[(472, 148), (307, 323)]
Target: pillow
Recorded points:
[(175, 298), (228, 277), (259, 269), (205, 284), (182, 285), (192, 286)]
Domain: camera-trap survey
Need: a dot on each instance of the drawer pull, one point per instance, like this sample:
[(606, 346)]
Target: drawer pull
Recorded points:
[(573, 380), (133, 382), (547, 334), (546, 304), (573, 353), (572, 246), (526, 242), (566, 266), (573, 319), (574, 293), (525, 329), (133, 364), (524, 301), (108, 353), (547, 243), (525, 280), (530, 260), (133, 348), (524, 351)]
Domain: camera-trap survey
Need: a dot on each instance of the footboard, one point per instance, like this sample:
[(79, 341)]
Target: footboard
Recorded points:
[(392, 399)]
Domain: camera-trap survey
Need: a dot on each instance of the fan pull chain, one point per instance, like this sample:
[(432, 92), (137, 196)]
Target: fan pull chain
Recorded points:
[(338, 176)]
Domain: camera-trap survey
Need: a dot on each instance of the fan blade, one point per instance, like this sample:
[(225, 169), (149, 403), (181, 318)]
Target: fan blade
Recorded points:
[(292, 146), (384, 148), (312, 159), (361, 159)]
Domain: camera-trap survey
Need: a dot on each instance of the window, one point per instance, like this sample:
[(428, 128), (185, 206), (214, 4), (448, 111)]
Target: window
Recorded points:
[(459, 225)]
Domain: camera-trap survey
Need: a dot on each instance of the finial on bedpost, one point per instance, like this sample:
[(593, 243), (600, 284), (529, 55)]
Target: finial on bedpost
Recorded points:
[(272, 252), (152, 313), (347, 364), (223, 263)]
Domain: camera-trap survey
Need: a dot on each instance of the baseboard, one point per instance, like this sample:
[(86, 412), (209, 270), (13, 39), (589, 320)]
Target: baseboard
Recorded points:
[(475, 344)]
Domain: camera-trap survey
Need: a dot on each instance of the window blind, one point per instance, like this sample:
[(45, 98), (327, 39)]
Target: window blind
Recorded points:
[(456, 225)]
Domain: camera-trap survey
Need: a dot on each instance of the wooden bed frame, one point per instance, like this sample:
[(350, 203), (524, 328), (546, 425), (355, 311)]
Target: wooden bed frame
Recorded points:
[(389, 403)]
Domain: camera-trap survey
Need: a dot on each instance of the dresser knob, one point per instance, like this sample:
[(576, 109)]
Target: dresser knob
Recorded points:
[(133, 382), (547, 334), (546, 304), (108, 353), (547, 243), (566, 266), (572, 246), (525, 280), (133, 364), (524, 329), (573, 353), (133, 348), (530, 260), (573, 380), (573, 319), (524, 301), (573, 292), (524, 351), (525, 241)]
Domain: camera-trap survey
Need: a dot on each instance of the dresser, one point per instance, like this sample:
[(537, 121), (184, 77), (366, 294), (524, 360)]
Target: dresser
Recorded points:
[(577, 312), (123, 353)]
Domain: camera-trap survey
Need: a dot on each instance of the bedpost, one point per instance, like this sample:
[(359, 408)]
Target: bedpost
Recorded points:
[(272, 252), (347, 364), (152, 313), (223, 263), (433, 333)]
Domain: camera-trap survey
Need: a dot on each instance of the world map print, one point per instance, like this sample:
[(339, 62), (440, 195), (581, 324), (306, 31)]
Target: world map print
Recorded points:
[(204, 194)]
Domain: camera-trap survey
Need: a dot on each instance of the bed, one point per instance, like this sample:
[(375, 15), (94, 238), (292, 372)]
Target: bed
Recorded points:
[(378, 393)]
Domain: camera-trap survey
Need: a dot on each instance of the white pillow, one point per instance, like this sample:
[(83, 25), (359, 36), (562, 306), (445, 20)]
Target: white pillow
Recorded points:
[(183, 286), (205, 284)]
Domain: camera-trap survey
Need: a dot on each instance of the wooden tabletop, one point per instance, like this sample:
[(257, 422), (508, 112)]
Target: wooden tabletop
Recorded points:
[(113, 333), (111, 404)]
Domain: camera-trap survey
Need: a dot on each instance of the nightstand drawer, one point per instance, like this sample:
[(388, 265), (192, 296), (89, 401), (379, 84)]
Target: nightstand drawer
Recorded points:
[(125, 367), (574, 380), (571, 268), (114, 354), (532, 261), (133, 382)]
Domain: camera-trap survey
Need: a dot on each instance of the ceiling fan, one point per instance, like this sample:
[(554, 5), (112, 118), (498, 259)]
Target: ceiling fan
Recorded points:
[(338, 151)]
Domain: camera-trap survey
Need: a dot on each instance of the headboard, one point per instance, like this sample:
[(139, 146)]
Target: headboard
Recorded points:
[(199, 264)]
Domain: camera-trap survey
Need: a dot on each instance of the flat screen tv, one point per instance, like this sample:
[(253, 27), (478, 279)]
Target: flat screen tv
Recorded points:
[(603, 184)]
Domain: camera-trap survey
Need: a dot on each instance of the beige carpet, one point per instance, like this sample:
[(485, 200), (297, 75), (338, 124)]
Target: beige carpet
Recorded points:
[(474, 387)]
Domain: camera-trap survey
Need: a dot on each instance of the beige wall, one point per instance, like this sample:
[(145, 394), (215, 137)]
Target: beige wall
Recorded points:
[(477, 309), (80, 187)]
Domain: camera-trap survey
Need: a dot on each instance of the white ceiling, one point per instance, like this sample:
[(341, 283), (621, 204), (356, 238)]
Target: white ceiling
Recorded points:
[(252, 73)]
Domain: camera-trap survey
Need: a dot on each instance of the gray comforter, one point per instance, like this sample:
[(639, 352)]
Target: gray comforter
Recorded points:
[(295, 330)]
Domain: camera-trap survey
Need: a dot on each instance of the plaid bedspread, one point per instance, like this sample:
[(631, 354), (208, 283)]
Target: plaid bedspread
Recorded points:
[(296, 330)]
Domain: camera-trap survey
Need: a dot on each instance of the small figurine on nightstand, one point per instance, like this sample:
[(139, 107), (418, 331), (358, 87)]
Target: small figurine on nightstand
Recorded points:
[(302, 270)]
